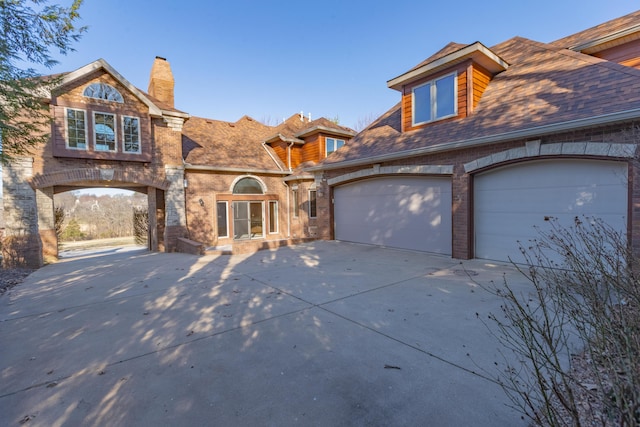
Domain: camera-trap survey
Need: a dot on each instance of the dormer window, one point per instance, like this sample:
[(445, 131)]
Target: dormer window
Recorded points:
[(103, 91), (333, 144), (435, 100)]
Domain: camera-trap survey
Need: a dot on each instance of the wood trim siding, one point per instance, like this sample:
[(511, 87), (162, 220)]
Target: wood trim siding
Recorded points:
[(480, 81), (627, 54)]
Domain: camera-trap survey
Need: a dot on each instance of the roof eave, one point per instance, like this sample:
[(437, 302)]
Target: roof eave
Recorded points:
[(209, 168), (341, 132), (477, 52), (608, 41), (490, 139), (280, 137)]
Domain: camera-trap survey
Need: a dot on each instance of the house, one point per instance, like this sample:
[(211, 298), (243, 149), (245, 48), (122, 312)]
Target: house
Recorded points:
[(487, 142), (484, 144), (237, 185)]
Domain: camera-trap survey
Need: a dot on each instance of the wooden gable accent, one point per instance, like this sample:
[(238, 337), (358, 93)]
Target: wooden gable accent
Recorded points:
[(627, 54)]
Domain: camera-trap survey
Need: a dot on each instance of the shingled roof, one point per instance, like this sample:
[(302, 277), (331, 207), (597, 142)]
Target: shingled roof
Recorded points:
[(544, 85), (615, 26), (240, 145)]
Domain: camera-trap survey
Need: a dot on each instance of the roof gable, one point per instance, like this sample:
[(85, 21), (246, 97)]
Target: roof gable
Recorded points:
[(477, 52), (101, 64)]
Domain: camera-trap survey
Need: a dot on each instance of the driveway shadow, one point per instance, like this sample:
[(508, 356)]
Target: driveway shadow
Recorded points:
[(323, 333)]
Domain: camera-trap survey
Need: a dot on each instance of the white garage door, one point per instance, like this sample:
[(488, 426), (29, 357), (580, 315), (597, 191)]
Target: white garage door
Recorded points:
[(510, 201), (399, 212)]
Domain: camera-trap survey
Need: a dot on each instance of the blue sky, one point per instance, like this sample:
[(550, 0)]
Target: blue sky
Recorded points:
[(271, 59)]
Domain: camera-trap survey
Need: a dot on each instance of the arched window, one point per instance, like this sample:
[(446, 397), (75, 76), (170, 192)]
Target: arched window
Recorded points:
[(103, 91), (248, 186)]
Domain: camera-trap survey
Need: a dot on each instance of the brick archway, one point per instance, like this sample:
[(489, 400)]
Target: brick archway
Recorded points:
[(98, 176)]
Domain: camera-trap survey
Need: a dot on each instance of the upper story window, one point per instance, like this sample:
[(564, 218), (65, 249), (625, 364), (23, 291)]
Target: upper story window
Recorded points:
[(104, 130), (333, 144), (76, 129), (435, 100), (131, 134), (103, 91), (248, 186)]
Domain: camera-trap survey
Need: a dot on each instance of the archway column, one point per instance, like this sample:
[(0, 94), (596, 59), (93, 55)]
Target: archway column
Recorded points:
[(21, 244), (47, 223), (174, 208)]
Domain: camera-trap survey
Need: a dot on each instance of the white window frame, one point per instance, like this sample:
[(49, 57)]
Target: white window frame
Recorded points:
[(226, 216), (335, 145), (124, 150), (115, 133), (315, 214), (66, 129), (273, 219), (432, 99)]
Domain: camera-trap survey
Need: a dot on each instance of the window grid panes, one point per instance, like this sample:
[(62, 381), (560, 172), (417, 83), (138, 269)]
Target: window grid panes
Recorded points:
[(104, 131), (131, 134), (76, 129), (295, 203), (333, 144), (103, 91), (435, 100)]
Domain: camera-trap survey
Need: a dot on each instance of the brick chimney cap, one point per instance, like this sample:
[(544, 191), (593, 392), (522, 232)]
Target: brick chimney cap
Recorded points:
[(160, 57)]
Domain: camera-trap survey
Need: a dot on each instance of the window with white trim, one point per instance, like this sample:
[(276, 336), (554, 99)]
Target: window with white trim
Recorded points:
[(312, 204), (104, 131), (222, 218), (103, 91), (131, 134), (76, 123), (296, 202), (435, 100), (273, 217), (332, 144)]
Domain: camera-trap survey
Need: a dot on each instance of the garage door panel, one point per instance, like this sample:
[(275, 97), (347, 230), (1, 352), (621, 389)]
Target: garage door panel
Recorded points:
[(510, 201), (410, 213)]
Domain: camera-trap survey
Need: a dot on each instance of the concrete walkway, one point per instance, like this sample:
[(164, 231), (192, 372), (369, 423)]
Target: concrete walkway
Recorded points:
[(325, 333)]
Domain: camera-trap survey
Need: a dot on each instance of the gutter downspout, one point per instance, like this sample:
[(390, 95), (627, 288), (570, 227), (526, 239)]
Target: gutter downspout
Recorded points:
[(289, 155)]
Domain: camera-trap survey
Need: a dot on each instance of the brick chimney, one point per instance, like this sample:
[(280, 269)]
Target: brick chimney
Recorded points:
[(161, 81)]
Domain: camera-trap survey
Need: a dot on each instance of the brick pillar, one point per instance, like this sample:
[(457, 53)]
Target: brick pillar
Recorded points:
[(174, 204), (461, 211), (21, 246), (153, 222), (46, 223)]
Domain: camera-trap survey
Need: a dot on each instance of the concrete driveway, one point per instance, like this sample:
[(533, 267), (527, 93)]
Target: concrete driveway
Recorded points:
[(325, 333)]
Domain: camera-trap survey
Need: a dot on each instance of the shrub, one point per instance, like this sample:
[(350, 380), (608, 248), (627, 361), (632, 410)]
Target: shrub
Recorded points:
[(585, 296)]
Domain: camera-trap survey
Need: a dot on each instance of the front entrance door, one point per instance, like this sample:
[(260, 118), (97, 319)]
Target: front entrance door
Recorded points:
[(247, 220)]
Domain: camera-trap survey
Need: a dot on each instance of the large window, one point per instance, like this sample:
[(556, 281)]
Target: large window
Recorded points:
[(131, 134), (76, 129), (273, 217), (223, 224), (333, 144), (435, 100), (312, 204), (104, 130)]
